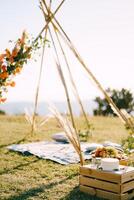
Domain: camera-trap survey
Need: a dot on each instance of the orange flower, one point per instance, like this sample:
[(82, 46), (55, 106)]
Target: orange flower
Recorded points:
[(8, 54), (29, 56), (23, 38), (4, 67), (2, 100), (3, 75), (1, 65), (18, 70), (12, 84), (14, 52), (11, 63), (6, 84), (11, 59), (1, 57)]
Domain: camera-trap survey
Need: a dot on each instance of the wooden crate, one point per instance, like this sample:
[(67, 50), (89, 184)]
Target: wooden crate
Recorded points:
[(115, 185)]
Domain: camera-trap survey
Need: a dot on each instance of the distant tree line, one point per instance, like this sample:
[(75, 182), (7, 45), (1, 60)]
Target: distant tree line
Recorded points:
[(122, 98)]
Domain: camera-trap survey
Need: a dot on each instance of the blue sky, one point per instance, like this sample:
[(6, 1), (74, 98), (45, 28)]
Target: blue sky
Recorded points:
[(102, 31)]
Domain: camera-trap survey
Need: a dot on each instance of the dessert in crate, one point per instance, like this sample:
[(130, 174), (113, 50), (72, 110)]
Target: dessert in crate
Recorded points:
[(110, 164), (110, 152)]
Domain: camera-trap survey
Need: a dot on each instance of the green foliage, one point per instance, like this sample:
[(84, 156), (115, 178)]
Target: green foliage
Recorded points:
[(2, 112), (122, 98), (84, 135), (128, 143)]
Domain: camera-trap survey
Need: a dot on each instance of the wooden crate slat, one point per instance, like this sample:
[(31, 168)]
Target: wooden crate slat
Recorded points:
[(127, 186), (102, 175), (100, 193), (129, 175), (99, 184), (125, 196), (115, 185), (89, 190)]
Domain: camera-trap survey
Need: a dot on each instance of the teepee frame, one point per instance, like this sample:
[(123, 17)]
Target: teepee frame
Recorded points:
[(51, 27)]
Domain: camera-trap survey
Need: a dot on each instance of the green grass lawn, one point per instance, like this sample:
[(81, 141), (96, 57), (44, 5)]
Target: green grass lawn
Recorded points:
[(28, 177)]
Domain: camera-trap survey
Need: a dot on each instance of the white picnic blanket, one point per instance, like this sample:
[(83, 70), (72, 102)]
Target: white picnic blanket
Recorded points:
[(55, 151)]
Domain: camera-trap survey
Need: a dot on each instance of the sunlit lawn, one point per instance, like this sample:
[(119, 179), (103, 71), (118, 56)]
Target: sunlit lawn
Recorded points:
[(28, 177)]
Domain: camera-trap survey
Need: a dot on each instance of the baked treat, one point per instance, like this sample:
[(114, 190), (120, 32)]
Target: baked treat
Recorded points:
[(109, 164)]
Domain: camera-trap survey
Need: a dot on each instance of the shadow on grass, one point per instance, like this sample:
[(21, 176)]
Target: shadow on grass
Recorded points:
[(16, 142), (18, 167), (75, 194), (26, 194), (36, 191)]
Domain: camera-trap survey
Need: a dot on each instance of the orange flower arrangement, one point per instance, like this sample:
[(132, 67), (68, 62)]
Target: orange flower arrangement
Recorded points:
[(11, 63)]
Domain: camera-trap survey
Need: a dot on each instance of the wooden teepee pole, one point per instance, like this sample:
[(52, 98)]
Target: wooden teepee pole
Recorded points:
[(60, 72), (48, 20), (70, 132), (76, 93), (41, 67), (38, 85), (69, 71), (67, 97), (63, 81), (91, 75), (67, 40)]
